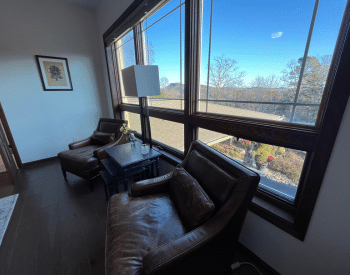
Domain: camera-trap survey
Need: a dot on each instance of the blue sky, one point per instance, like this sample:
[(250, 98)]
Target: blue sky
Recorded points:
[(243, 32)]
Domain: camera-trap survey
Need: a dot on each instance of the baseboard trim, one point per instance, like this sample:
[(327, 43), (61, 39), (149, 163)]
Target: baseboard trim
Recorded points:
[(268, 269), (27, 164)]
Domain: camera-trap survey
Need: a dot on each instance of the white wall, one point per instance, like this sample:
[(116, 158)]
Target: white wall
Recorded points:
[(326, 248), (43, 123), (108, 12)]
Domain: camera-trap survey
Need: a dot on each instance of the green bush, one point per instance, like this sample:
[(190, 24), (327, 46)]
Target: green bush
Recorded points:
[(262, 152)]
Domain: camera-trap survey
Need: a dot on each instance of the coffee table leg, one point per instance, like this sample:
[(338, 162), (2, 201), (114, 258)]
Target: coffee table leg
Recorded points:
[(125, 181), (157, 167)]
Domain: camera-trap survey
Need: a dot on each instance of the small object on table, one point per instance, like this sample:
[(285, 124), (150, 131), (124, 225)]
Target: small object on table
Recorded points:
[(144, 149)]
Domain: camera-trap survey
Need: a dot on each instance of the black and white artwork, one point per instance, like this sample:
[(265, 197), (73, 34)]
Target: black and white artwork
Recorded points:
[(54, 73)]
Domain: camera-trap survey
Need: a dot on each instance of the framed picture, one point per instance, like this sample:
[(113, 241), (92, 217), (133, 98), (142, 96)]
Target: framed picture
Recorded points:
[(54, 73)]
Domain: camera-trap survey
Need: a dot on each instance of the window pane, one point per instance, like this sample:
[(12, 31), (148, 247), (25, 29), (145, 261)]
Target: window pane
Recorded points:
[(279, 168), (165, 47), (134, 121), (256, 53), (126, 58), (163, 11), (168, 132), (305, 114), (324, 36)]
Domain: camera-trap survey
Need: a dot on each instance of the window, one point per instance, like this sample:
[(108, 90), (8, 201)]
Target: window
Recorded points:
[(161, 129), (258, 76), (134, 121), (267, 61), (280, 168), (126, 57), (163, 34)]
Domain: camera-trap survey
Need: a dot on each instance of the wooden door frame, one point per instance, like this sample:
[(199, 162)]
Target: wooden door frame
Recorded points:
[(10, 138)]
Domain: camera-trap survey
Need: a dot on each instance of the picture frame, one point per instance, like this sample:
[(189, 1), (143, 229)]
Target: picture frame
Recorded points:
[(54, 73)]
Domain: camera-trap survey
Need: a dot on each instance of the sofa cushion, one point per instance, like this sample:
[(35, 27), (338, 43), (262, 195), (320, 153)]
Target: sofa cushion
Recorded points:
[(215, 181), (136, 225), (81, 157), (101, 138), (192, 202)]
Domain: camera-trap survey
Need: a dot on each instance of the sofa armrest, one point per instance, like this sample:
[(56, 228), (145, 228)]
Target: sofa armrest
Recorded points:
[(193, 252), (150, 186), (100, 153), (80, 143)]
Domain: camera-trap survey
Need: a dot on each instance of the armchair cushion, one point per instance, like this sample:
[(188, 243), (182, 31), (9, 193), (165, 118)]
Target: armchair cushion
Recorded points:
[(216, 182), (101, 138), (81, 158), (193, 204), (136, 225)]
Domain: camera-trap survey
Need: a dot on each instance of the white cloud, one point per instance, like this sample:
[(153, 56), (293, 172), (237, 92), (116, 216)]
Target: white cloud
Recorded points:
[(276, 34)]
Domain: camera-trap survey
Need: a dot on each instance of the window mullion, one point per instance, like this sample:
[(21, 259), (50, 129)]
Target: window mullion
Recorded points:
[(304, 58), (193, 19), (139, 45)]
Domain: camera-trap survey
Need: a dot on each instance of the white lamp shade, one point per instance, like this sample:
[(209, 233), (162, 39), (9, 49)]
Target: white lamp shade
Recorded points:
[(141, 80)]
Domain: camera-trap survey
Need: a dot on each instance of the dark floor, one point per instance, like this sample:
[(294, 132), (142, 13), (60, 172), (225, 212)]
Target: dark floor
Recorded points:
[(58, 227)]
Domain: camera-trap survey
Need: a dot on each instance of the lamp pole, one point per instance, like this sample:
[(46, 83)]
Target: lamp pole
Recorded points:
[(144, 115)]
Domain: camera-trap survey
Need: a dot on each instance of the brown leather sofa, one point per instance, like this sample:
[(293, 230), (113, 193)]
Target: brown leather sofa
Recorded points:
[(84, 156), (156, 229)]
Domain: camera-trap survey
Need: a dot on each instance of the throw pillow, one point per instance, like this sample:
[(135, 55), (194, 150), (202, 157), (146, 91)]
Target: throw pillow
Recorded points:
[(101, 138), (192, 202)]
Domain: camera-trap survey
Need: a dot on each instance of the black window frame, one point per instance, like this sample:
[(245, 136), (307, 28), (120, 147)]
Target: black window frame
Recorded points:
[(317, 141)]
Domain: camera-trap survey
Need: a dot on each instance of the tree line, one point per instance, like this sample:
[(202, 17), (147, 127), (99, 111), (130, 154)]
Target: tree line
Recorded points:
[(226, 82)]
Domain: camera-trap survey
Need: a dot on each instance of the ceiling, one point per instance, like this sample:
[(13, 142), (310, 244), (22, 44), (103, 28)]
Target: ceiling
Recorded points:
[(92, 4)]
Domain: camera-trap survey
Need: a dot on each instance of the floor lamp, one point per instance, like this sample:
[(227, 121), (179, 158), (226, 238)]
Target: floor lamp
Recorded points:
[(142, 81)]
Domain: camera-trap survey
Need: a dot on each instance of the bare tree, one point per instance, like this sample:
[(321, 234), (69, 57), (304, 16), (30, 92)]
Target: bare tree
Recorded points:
[(224, 73), (163, 82), (271, 81)]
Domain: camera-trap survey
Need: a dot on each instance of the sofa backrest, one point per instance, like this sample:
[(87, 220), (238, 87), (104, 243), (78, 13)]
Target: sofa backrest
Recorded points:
[(217, 183), (108, 125), (230, 185)]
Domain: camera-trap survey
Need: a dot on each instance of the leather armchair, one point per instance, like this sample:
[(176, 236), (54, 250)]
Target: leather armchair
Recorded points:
[(84, 156), (146, 233)]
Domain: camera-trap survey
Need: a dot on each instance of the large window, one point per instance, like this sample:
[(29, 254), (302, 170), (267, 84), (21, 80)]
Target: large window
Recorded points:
[(267, 60), (263, 82)]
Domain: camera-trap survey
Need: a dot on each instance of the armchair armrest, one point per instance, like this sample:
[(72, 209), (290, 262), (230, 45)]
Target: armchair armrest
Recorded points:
[(80, 143), (189, 254), (193, 252), (100, 152), (150, 186)]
